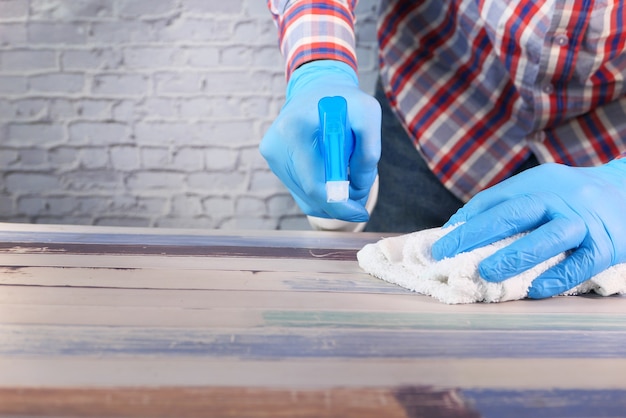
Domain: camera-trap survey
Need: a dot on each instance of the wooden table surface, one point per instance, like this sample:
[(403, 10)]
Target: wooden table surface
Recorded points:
[(128, 322)]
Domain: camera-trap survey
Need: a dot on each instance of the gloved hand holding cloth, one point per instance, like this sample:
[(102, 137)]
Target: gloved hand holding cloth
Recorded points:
[(543, 232)]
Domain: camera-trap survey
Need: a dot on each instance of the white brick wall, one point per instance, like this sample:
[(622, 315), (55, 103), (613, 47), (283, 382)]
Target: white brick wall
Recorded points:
[(145, 112)]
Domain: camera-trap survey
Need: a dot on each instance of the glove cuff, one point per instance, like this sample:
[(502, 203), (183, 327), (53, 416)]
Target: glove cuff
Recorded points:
[(328, 71)]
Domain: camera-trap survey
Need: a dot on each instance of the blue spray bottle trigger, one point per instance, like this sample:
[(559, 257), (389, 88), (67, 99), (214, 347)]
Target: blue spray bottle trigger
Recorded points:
[(337, 146)]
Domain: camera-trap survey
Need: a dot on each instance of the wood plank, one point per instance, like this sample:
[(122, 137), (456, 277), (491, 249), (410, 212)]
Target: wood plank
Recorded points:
[(278, 343), (135, 278), (98, 235), (221, 318), (45, 259), (181, 250), (306, 373), (290, 300), (236, 402)]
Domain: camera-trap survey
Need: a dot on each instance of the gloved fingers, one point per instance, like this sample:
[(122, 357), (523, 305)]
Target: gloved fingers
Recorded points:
[(480, 203), (365, 120), (579, 266), (559, 235), (495, 195), (351, 211), (508, 218)]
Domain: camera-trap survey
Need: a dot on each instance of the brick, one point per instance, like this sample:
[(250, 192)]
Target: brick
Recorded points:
[(54, 206), (120, 84), (62, 220), (255, 31), (28, 109), (57, 83), (195, 223), (100, 133), (153, 205), (64, 10), (196, 30), (12, 34), (124, 158), (294, 223), (212, 7), (149, 108), (234, 182), (120, 32), (25, 183), (255, 8), (125, 110), (246, 206), (7, 206), (153, 157), (32, 158), (221, 159), (188, 159), (63, 157), (278, 83), (210, 108), (158, 133), (267, 56), (34, 133), (236, 81), (31, 205), (120, 204), (235, 132), (251, 158), (145, 180), (159, 108), (57, 33), (93, 109), (64, 109), (248, 223), (203, 57), (144, 8), (93, 158), (179, 83), (186, 206), (200, 108), (8, 157), (257, 107), (282, 204), (218, 206), (91, 59), (236, 56), (28, 60), (154, 57), (132, 221), (13, 85), (92, 180), (263, 180), (13, 9), (106, 204)]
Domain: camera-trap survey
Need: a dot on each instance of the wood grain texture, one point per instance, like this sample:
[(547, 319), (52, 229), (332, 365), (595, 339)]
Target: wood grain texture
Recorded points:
[(134, 322), (402, 402)]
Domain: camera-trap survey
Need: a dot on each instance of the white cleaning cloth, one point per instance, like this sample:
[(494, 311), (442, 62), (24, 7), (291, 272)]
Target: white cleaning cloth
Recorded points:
[(405, 260)]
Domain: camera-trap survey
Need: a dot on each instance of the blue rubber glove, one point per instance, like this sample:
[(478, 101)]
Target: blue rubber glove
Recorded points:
[(292, 146), (579, 210)]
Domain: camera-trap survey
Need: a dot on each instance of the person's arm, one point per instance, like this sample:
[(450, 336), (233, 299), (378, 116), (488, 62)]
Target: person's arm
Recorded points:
[(315, 30), (581, 211), (317, 41)]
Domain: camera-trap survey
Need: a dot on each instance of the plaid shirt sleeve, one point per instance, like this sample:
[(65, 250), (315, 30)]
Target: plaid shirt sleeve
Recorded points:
[(312, 30)]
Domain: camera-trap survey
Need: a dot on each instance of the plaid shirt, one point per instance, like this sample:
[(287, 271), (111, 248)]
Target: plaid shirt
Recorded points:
[(480, 84)]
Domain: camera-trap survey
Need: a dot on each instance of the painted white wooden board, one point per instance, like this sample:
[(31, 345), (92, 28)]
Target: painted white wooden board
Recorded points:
[(98, 307)]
